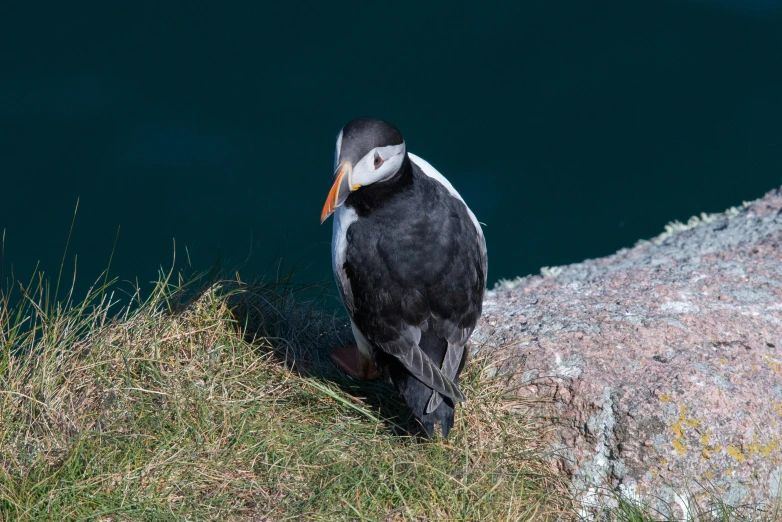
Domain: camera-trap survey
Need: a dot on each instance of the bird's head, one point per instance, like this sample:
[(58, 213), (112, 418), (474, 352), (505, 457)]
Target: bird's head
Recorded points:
[(368, 151)]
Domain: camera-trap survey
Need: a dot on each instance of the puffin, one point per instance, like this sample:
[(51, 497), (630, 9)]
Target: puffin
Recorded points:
[(409, 259)]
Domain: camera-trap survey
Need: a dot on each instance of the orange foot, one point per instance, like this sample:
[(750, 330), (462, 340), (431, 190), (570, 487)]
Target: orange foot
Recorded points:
[(355, 364)]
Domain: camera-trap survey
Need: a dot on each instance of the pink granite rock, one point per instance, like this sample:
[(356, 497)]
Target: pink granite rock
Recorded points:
[(660, 365)]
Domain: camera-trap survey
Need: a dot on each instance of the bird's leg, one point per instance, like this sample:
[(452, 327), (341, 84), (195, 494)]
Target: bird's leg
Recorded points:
[(355, 363)]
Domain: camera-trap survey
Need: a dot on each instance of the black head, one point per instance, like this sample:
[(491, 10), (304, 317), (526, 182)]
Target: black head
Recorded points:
[(368, 151), (362, 135)]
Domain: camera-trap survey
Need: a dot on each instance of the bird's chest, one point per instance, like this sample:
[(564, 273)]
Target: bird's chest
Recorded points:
[(406, 245)]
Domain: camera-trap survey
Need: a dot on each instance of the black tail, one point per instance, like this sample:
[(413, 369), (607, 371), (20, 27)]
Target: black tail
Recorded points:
[(417, 394)]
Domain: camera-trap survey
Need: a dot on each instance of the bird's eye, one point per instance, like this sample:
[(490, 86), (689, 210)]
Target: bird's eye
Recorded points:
[(378, 160)]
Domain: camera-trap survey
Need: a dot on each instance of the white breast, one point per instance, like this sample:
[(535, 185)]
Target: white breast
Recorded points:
[(343, 218)]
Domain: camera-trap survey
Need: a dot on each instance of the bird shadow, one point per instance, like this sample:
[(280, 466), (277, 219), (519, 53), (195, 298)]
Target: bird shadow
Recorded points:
[(301, 330)]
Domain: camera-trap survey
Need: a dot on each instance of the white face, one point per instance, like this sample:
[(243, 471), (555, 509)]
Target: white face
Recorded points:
[(377, 165)]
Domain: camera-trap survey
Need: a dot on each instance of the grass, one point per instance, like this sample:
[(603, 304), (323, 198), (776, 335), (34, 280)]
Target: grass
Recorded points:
[(704, 506), (188, 411), (220, 404)]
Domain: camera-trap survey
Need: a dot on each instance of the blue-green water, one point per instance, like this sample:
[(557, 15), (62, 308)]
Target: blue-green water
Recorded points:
[(571, 128)]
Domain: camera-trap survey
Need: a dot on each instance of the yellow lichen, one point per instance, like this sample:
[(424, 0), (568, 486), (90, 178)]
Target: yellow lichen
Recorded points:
[(680, 448), (678, 430), (775, 365), (736, 453), (708, 450), (723, 360), (762, 449), (665, 398)]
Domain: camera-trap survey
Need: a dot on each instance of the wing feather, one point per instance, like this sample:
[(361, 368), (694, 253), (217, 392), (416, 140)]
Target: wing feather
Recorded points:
[(453, 358), (406, 350)]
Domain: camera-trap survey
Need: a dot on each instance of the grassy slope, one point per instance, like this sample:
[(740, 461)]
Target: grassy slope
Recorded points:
[(163, 415), (170, 412)]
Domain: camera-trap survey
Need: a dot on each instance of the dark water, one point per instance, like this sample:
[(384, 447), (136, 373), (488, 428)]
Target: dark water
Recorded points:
[(571, 128)]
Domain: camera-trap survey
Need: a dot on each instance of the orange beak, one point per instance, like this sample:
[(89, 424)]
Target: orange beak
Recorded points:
[(340, 190)]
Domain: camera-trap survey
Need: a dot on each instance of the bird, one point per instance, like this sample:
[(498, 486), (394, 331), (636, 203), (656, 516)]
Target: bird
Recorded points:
[(409, 258)]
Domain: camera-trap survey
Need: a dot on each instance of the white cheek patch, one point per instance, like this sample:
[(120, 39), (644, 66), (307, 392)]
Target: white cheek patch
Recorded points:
[(365, 173), (392, 156)]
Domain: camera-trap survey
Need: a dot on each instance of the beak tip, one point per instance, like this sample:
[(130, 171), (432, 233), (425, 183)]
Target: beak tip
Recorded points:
[(339, 191), (325, 213)]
